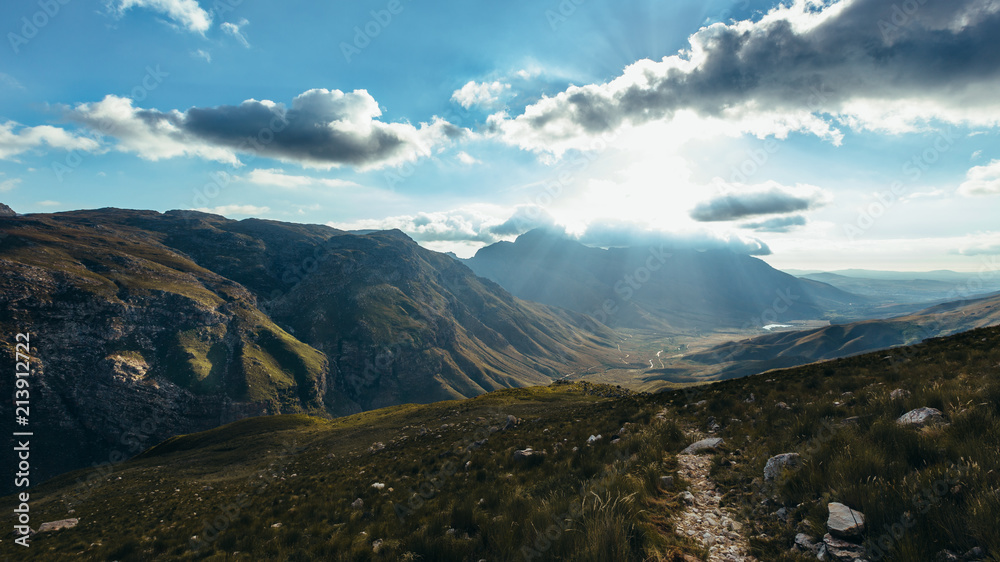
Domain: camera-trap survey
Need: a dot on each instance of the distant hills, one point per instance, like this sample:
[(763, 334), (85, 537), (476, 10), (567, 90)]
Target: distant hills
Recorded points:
[(789, 349), (146, 325), (658, 287), (946, 286)]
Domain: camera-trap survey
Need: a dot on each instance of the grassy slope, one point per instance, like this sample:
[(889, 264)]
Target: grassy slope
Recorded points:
[(305, 473)]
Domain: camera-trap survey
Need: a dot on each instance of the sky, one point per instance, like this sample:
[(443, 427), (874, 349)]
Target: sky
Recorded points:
[(812, 134)]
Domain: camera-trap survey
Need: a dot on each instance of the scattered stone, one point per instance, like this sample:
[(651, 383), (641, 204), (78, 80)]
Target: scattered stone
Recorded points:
[(686, 497), (841, 550), (975, 553), (276, 526), (58, 525), (376, 447), (667, 482), (712, 425), (921, 417), (379, 485), (805, 543), (594, 438), (845, 522), (512, 421), (899, 394), (358, 503), (709, 444), (526, 455), (782, 406), (376, 546), (853, 420), (778, 463), (782, 514)]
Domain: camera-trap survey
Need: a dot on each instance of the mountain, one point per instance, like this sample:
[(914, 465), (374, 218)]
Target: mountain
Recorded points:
[(663, 288), (788, 349), (935, 286), (6, 211), (145, 325), (442, 481)]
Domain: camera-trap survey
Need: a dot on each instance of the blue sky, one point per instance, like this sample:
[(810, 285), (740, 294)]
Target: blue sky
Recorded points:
[(818, 135)]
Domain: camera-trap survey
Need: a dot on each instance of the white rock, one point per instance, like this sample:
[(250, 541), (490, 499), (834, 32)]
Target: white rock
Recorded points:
[(845, 522)]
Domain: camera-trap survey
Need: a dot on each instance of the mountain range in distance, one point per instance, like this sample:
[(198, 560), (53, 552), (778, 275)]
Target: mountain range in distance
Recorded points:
[(150, 325)]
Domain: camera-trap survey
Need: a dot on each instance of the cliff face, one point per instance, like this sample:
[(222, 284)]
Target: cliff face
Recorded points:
[(147, 325)]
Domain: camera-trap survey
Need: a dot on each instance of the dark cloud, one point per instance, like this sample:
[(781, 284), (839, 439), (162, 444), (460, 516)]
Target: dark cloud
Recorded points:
[(771, 201), (322, 127), (811, 57), (777, 224)]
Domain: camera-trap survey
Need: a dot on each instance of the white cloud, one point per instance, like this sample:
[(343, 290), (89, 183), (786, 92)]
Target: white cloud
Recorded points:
[(184, 13), (8, 184), (202, 54), (278, 178), (235, 30), (484, 94), (9, 82), (466, 224), (238, 210), (982, 180), (48, 203), (16, 139), (467, 159), (322, 129)]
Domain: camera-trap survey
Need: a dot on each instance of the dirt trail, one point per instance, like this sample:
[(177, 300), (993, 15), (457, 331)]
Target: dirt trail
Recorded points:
[(703, 520)]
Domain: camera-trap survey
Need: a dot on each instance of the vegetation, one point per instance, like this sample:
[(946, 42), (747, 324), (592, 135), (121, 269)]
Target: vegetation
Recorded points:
[(440, 481)]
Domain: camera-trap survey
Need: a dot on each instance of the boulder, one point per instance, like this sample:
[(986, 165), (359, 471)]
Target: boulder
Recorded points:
[(594, 439), (709, 444), (778, 463), (845, 522), (686, 497), (667, 482), (921, 417)]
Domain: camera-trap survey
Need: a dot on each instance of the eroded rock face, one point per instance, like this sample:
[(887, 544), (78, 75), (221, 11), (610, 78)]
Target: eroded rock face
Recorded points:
[(921, 417), (780, 462), (844, 522), (6, 211)]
